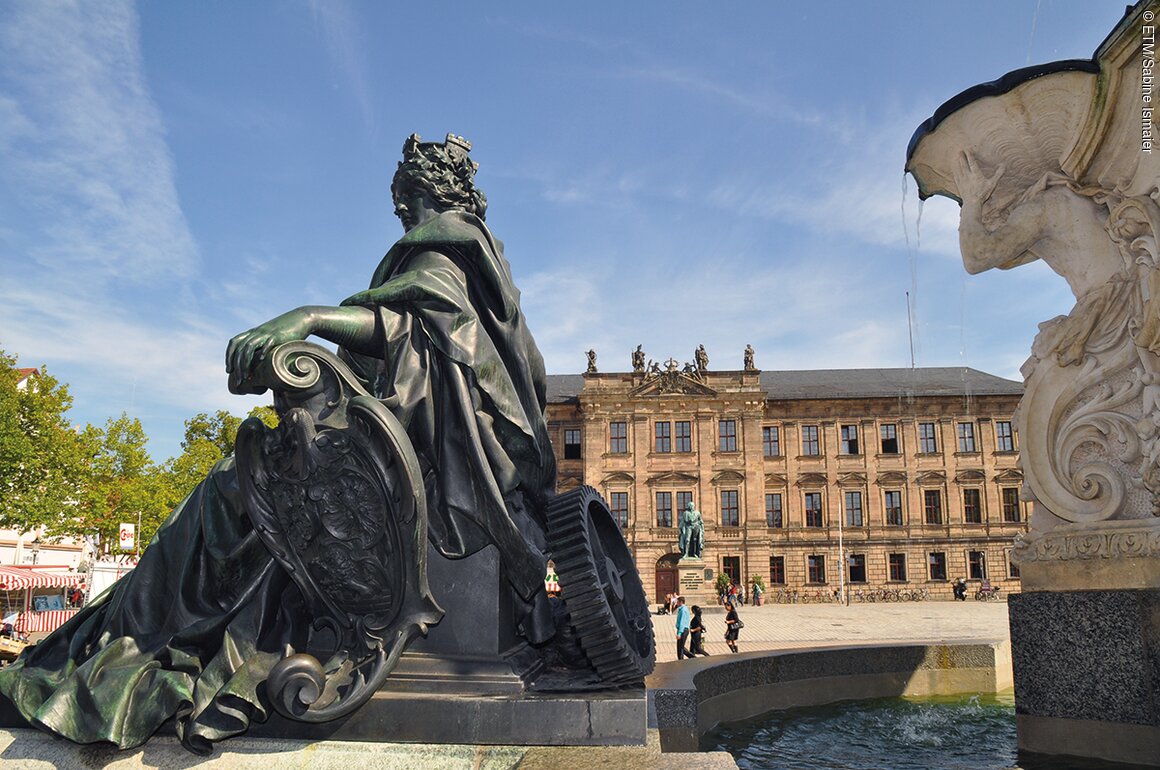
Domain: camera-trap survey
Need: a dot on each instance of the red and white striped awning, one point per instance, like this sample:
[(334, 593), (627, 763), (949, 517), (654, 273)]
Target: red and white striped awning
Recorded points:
[(42, 622), (19, 578)]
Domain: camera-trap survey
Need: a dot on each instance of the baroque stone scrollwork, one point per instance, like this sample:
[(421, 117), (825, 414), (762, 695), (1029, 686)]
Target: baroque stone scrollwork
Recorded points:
[(336, 494), (1092, 382), (673, 378)]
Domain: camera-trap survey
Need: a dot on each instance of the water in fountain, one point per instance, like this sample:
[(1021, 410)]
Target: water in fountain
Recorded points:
[(958, 732), (974, 732)]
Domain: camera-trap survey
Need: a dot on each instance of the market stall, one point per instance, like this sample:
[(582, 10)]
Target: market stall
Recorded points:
[(37, 608)]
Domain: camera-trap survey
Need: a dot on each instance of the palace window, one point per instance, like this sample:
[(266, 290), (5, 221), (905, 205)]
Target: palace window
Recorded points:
[(618, 503), (966, 433), (932, 506), (893, 498), (777, 570), (813, 505), (890, 439), (618, 438), (1004, 438), (937, 564), (1012, 567), (730, 516), (850, 439), (731, 566), (773, 516), (927, 443), (1011, 510), (572, 444), (684, 435), (853, 509), (664, 441), (770, 441), (727, 435), (857, 563), (977, 565), (683, 500), (816, 568), (896, 563), (664, 509), (972, 506), (810, 445)]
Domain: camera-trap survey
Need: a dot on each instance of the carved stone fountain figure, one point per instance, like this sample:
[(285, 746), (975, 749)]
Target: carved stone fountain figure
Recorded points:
[(1055, 163)]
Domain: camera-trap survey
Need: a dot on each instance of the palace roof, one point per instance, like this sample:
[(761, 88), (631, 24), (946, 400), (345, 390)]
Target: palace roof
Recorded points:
[(845, 383)]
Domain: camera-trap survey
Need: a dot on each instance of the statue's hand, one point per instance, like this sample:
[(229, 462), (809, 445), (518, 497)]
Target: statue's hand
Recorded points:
[(248, 349), (974, 186)]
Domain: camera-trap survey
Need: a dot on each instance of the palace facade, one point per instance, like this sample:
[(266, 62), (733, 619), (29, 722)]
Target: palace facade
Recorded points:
[(868, 478)]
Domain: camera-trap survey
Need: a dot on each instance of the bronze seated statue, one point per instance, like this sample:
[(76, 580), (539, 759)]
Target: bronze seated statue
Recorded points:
[(295, 575)]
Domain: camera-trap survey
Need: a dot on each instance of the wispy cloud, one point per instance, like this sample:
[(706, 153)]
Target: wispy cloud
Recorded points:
[(86, 157), (345, 44), (859, 191), (103, 242), (763, 104)]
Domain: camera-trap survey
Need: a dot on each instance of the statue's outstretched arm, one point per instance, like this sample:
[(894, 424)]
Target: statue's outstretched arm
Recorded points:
[(355, 328), (1002, 246)]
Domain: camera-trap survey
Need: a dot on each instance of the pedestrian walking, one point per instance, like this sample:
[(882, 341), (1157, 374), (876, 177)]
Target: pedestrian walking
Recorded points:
[(733, 626), (697, 633), (684, 622)]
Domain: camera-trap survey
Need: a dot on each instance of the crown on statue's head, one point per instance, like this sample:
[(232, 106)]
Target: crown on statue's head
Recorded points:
[(454, 145)]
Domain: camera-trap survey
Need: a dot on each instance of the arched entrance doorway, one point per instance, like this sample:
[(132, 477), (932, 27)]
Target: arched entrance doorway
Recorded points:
[(667, 576)]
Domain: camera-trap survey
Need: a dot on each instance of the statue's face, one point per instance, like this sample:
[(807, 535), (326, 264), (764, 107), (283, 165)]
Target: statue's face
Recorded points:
[(414, 207)]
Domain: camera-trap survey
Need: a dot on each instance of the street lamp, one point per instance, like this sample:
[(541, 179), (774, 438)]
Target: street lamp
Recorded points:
[(36, 550)]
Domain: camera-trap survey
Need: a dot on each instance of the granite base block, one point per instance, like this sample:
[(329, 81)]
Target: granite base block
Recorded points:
[(1090, 660), (584, 719), (38, 751)]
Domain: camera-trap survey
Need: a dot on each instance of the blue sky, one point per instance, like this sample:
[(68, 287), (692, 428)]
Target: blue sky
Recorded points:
[(665, 174)]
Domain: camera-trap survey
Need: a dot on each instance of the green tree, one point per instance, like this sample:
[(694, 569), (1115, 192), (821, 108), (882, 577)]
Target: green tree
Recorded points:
[(208, 439), (220, 430), (126, 486), (44, 461)]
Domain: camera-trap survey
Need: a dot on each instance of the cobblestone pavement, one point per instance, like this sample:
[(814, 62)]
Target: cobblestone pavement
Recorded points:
[(788, 626)]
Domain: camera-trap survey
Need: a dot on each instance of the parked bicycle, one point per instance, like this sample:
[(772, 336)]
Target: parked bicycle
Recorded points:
[(987, 592)]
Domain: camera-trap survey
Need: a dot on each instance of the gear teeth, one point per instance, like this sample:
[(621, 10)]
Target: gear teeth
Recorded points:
[(606, 642)]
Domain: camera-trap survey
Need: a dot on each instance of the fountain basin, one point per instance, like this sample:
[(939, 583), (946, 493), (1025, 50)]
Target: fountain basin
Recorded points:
[(687, 699)]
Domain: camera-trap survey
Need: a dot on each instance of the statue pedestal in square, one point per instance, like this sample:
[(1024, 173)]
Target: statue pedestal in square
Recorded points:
[(693, 585), (461, 683)]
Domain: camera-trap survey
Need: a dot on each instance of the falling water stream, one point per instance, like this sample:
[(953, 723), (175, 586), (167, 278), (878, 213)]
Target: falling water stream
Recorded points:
[(912, 251)]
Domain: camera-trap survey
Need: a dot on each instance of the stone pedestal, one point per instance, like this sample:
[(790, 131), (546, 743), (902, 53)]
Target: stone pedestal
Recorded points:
[(1087, 673), (474, 648), (692, 583), (465, 682)]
